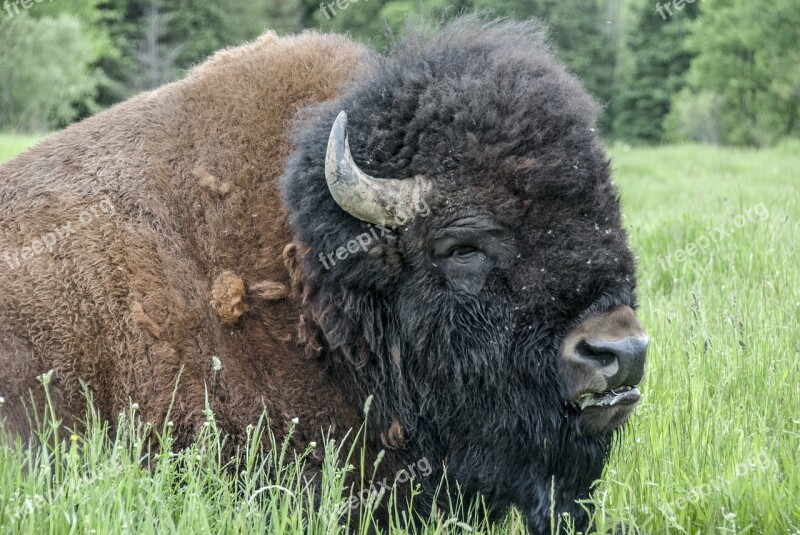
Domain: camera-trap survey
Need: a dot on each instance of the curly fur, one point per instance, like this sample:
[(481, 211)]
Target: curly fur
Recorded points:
[(133, 300), (465, 379), (483, 110)]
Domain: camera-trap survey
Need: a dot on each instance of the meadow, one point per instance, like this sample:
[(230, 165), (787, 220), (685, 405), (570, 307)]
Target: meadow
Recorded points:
[(712, 449)]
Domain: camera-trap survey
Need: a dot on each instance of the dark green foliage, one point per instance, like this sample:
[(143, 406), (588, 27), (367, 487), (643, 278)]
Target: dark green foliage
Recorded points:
[(721, 72), (748, 57), (161, 39), (659, 60), (46, 74)]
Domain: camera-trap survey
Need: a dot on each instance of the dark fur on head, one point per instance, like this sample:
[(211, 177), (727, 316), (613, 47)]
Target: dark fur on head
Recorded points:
[(468, 367)]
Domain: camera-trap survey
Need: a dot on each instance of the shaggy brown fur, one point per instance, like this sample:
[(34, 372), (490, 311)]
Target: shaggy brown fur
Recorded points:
[(120, 299), (156, 241)]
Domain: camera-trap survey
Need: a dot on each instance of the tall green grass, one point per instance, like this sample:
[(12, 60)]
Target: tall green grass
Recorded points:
[(130, 480), (712, 449)]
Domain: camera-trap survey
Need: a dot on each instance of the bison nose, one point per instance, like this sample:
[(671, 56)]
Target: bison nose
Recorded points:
[(601, 362), (625, 357), (604, 352)]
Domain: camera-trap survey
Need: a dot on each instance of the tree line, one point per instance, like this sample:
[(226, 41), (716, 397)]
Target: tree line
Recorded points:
[(717, 71)]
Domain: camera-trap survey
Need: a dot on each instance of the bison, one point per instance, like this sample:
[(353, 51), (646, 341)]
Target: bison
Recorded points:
[(304, 222)]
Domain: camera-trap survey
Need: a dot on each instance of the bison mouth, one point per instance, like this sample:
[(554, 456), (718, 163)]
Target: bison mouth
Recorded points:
[(624, 395)]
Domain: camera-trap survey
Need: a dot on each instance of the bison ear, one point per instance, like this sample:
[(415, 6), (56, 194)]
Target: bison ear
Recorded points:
[(384, 201)]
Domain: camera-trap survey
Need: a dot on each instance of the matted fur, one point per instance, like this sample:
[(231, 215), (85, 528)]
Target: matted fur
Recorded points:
[(467, 380), (125, 302)]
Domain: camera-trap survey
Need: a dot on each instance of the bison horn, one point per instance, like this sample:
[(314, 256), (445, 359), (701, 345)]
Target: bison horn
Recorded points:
[(384, 201)]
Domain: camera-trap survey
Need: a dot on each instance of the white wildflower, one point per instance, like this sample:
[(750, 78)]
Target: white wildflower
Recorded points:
[(45, 377)]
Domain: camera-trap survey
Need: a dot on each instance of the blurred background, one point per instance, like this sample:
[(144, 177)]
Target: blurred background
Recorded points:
[(716, 71)]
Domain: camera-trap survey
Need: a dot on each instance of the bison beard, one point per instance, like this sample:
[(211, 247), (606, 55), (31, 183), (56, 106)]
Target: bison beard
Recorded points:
[(453, 322)]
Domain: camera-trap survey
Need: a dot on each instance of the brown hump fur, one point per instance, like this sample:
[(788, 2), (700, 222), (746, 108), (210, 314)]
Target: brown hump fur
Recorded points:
[(120, 225)]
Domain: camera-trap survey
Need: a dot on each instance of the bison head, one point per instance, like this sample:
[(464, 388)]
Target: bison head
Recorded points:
[(490, 312)]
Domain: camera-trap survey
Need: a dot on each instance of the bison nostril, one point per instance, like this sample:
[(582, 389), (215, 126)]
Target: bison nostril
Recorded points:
[(629, 353), (601, 356)]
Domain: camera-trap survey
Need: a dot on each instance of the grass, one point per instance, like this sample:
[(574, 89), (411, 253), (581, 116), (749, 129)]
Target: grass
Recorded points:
[(13, 144), (713, 448)]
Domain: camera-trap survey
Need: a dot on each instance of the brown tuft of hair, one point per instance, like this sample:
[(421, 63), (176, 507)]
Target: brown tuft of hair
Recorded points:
[(212, 183), (270, 290), (228, 297)]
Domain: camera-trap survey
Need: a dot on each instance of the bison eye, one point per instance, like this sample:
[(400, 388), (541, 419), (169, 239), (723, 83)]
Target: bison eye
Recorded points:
[(463, 253)]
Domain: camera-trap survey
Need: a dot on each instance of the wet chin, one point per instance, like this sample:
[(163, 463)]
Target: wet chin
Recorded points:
[(600, 420)]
